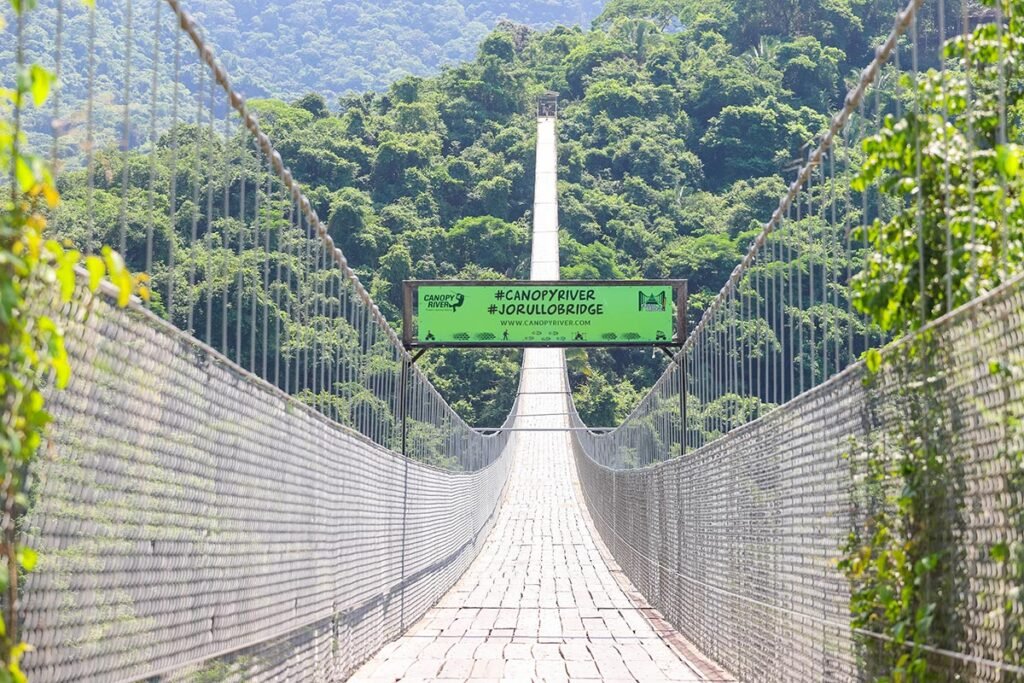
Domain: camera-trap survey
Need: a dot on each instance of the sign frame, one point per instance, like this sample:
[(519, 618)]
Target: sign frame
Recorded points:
[(409, 287)]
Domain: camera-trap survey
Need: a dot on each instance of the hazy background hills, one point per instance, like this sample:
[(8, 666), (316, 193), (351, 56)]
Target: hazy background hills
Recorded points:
[(334, 47)]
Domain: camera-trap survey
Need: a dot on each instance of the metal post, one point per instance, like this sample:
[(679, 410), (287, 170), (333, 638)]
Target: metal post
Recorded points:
[(402, 407), (407, 362), (682, 403)]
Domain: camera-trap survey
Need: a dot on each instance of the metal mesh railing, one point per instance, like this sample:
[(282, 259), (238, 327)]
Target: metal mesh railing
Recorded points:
[(158, 156), (766, 493), (194, 520), (222, 497), (738, 542)]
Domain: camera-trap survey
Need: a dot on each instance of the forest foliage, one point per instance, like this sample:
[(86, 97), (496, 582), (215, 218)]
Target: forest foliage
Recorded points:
[(338, 47), (953, 159), (677, 123)]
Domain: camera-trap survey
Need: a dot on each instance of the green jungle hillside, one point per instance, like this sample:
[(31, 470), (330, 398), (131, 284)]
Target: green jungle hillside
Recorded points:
[(678, 123)]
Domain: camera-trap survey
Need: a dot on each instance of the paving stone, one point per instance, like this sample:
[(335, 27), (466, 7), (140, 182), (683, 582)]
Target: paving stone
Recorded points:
[(488, 668), (546, 652), (435, 650), (424, 668), (579, 670), (520, 669), (576, 651), (518, 651), (456, 668), (492, 648), (552, 670), (393, 668), (465, 648), (659, 651), (412, 647), (631, 652), (646, 670), (614, 669)]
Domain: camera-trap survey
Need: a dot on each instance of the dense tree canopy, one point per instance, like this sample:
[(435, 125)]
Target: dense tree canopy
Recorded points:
[(677, 120)]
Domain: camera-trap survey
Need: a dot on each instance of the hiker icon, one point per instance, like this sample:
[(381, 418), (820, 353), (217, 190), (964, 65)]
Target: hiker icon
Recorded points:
[(430, 336), (505, 336)]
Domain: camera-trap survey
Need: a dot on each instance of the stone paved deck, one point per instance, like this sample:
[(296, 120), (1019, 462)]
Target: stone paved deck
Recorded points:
[(539, 603)]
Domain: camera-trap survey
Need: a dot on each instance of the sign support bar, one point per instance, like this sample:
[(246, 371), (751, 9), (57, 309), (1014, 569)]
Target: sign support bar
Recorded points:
[(407, 363), (681, 365)]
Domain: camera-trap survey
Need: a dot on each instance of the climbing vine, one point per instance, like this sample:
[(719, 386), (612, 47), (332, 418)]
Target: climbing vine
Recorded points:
[(953, 162), (900, 558), (1008, 554), (36, 275)]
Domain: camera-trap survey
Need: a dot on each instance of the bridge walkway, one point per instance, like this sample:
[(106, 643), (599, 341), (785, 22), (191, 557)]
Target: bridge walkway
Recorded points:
[(541, 601)]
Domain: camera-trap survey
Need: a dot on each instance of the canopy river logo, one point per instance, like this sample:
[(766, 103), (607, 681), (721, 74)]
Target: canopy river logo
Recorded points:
[(444, 302), (653, 302)]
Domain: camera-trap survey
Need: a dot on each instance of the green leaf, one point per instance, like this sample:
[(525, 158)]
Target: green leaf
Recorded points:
[(927, 563), (21, 6), (94, 264), (123, 281), (40, 86), (115, 264), (14, 665), (27, 558), (59, 362), (873, 360), (26, 178), (65, 273), (1007, 160), (999, 553)]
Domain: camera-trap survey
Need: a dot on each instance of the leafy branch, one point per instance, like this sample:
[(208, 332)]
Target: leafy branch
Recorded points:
[(35, 274), (952, 164)]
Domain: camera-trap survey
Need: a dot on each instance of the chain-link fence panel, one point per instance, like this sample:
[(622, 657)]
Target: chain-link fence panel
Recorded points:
[(739, 542), (195, 522)]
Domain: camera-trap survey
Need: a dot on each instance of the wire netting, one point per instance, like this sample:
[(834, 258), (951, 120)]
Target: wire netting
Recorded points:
[(224, 494), (194, 520), (797, 515), (738, 542)]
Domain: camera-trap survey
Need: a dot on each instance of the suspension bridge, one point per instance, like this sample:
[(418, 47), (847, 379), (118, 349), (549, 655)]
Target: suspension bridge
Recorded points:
[(253, 482)]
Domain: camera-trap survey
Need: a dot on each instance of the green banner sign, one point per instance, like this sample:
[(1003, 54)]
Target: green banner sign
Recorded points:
[(531, 313)]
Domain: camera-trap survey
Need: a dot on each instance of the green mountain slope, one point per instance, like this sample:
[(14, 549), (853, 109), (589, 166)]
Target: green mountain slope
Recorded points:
[(285, 49), (677, 121)]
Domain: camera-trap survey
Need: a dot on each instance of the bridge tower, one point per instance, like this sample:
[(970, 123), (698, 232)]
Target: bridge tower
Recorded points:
[(547, 105)]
